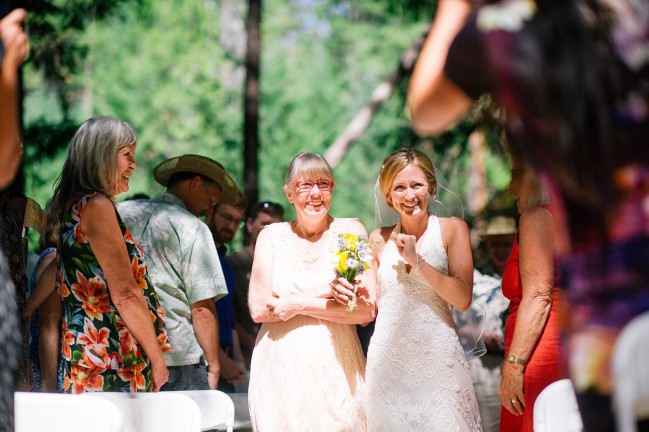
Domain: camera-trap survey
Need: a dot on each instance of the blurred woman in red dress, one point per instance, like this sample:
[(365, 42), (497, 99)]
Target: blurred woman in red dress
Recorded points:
[(532, 343)]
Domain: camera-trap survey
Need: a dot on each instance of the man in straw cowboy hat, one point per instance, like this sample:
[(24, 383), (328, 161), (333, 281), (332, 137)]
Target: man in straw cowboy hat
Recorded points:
[(183, 263)]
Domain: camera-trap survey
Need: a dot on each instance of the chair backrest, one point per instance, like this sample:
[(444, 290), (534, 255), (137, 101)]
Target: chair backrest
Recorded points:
[(217, 409), (556, 410), (51, 412), (241, 411), (631, 374), (154, 412)]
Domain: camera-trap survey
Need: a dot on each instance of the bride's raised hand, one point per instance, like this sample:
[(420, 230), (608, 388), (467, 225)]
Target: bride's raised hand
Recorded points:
[(406, 246), (342, 290)]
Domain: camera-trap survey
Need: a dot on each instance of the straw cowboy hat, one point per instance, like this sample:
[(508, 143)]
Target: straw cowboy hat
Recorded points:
[(499, 225), (199, 165)]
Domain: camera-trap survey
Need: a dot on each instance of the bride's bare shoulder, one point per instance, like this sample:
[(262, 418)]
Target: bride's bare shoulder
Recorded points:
[(452, 223)]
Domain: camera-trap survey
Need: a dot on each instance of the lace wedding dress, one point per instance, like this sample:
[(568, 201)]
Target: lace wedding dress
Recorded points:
[(417, 377), (306, 373)]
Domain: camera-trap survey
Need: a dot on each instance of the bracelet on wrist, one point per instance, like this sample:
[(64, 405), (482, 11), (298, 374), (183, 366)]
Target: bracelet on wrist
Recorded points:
[(511, 358), (418, 263)]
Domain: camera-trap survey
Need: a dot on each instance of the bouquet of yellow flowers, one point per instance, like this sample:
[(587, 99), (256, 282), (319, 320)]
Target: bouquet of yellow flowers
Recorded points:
[(354, 255)]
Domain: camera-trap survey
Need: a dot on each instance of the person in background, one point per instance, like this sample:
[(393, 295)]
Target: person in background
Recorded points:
[(20, 205), (14, 247), (498, 237), (488, 301), (44, 312), (572, 78), (258, 216), (307, 367), (184, 263), (224, 220), (14, 47), (138, 196), (112, 331), (532, 341)]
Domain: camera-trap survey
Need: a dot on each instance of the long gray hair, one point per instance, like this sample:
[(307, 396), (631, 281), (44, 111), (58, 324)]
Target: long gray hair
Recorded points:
[(91, 165)]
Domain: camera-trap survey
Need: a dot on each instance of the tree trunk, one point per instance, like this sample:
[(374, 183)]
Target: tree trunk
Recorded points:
[(355, 129), (251, 103)]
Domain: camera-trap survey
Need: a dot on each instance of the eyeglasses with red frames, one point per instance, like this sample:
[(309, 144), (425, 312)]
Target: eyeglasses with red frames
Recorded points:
[(307, 185)]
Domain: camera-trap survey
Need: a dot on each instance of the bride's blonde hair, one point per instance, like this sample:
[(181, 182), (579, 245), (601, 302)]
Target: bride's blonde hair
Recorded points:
[(397, 161)]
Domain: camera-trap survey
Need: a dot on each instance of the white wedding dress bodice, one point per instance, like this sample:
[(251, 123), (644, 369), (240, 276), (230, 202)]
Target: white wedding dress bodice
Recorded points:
[(417, 376), (306, 373)]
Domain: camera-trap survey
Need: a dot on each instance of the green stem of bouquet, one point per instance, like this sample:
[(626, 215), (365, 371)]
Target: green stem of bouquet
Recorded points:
[(350, 275)]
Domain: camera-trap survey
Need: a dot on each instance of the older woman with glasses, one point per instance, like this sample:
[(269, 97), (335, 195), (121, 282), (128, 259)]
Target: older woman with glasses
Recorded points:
[(307, 367)]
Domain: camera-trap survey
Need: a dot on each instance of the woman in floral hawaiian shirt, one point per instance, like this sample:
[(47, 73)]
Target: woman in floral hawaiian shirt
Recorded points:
[(112, 324)]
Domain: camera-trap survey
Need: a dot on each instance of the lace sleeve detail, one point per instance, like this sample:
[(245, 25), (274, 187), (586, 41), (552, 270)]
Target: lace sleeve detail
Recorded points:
[(278, 235)]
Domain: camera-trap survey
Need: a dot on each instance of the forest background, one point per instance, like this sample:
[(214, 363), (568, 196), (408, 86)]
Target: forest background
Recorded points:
[(176, 71)]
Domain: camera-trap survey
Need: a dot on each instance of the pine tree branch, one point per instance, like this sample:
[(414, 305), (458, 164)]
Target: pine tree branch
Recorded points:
[(356, 128)]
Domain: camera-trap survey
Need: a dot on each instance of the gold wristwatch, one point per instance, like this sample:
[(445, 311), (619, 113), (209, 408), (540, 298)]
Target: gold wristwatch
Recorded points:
[(511, 358)]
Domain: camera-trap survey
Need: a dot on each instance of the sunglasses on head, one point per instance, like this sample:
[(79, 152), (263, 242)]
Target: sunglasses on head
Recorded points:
[(267, 204), (269, 207)]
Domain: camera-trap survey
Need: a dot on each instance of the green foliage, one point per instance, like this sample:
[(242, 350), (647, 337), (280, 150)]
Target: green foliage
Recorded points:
[(168, 82), (320, 65), (385, 12), (55, 28), (173, 69)]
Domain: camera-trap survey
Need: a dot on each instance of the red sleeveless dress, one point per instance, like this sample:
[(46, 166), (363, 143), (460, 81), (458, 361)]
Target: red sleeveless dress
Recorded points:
[(544, 365)]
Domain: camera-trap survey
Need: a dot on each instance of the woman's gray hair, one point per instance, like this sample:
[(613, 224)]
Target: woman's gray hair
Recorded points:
[(94, 151), (91, 165), (308, 165)]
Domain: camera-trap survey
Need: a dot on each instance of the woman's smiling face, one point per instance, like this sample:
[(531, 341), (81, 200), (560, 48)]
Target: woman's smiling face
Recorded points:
[(125, 167), (314, 201), (409, 192)]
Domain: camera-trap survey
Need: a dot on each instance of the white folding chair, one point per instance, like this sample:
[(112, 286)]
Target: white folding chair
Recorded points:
[(56, 412), (556, 410), (217, 409), (631, 374), (241, 411), (154, 412)]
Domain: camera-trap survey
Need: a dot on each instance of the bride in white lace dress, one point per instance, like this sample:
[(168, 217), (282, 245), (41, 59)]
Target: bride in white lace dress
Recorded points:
[(417, 376), (307, 366)]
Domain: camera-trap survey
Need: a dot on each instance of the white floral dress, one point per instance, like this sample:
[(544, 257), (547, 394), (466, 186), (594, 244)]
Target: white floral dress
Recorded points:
[(306, 373)]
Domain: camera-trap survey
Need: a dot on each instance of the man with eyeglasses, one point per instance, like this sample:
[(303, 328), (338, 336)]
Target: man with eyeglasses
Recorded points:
[(258, 217), (183, 263), (224, 220)]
